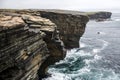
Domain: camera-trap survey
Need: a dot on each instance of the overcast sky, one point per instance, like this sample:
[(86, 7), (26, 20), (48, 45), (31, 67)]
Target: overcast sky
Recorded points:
[(62, 4)]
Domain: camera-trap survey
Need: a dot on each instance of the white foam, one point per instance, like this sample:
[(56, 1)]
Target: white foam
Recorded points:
[(88, 61), (84, 70), (58, 76), (96, 50), (82, 45), (117, 19), (105, 44), (77, 54), (96, 57)]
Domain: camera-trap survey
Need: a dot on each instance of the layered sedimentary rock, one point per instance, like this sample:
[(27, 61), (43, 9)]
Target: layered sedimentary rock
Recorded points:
[(91, 15), (29, 44), (71, 26), (21, 51)]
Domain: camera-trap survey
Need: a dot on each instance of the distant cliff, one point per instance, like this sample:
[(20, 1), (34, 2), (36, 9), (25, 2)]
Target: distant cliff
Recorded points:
[(32, 40), (99, 15), (92, 15)]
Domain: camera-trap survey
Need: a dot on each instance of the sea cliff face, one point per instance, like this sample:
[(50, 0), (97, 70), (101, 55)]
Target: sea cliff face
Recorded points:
[(32, 40), (71, 27)]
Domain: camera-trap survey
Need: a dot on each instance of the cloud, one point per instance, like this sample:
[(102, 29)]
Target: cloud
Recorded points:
[(61, 4)]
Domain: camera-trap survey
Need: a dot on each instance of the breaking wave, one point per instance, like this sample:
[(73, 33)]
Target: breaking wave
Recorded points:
[(84, 63)]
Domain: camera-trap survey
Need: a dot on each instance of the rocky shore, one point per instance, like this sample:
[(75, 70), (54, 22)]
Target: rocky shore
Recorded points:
[(32, 40)]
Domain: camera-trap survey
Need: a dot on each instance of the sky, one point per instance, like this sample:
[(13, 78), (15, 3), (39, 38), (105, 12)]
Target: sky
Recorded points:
[(62, 4)]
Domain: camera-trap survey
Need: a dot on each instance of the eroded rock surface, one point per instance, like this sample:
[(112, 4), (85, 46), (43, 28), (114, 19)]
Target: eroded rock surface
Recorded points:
[(71, 26), (32, 40), (9, 22)]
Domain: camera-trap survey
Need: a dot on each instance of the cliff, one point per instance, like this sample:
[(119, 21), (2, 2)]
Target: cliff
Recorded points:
[(32, 40), (99, 15), (103, 15), (70, 26)]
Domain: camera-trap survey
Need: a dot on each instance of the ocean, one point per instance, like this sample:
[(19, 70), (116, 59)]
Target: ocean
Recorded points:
[(98, 57)]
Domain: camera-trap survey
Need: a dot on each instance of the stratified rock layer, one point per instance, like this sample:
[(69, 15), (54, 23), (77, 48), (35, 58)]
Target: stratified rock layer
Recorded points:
[(29, 44), (70, 26)]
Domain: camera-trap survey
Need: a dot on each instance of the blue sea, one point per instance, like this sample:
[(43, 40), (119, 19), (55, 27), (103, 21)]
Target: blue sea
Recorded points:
[(98, 57)]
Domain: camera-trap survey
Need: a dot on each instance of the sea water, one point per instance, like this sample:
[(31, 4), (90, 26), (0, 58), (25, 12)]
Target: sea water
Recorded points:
[(98, 58)]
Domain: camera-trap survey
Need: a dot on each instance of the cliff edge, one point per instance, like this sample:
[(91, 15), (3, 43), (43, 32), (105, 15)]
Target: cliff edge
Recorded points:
[(32, 40), (103, 15)]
